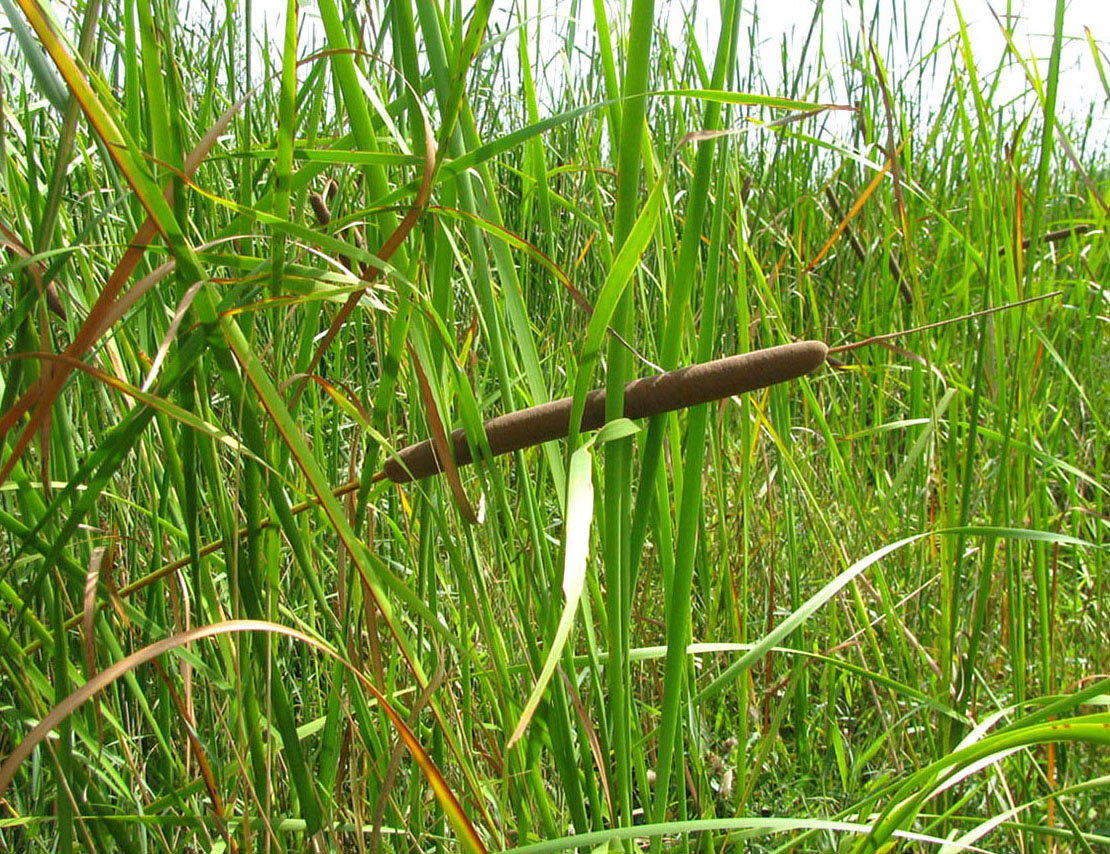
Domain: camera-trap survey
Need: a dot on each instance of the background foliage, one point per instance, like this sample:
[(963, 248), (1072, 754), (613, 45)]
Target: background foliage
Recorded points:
[(234, 279)]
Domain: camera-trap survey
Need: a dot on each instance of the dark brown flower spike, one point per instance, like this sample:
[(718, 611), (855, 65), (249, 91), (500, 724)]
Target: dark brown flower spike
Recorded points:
[(642, 398)]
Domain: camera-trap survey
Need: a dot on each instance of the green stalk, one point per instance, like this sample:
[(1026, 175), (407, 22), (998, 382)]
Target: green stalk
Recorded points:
[(679, 605), (685, 275), (286, 128), (618, 454)]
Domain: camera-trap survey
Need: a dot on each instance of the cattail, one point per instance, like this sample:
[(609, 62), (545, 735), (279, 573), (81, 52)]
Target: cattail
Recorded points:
[(644, 397), (320, 208)]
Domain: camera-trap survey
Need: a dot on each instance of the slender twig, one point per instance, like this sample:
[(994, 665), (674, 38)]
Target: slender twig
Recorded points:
[(1053, 236), (875, 339)]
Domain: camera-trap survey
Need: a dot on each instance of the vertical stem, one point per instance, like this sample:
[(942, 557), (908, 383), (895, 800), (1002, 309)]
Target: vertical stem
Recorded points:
[(618, 454)]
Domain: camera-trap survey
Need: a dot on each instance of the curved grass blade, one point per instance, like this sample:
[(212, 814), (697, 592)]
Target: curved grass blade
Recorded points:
[(620, 274), (922, 785), (815, 602), (732, 828), (576, 550)]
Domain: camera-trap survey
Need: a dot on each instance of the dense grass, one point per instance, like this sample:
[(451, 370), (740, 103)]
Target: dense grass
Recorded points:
[(894, 569)]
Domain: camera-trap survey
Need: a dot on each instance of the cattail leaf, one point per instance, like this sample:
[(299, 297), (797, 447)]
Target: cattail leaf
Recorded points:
[(41, 70), (580, 512), (618, 428)]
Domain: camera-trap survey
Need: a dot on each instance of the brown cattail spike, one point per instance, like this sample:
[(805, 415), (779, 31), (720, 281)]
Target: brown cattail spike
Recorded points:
[(320, 208), (642, 398)]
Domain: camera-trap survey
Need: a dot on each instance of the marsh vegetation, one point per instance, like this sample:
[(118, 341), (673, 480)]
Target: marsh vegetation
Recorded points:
[(861, 609)]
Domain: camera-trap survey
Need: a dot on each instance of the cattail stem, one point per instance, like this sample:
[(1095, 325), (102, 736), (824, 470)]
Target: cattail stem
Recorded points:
[(644, 397)]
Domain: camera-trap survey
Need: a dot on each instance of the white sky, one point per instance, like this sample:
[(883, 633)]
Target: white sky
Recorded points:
[(776, 19)]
